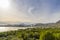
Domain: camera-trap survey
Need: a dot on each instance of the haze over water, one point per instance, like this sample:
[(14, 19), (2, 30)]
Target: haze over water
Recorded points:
[(4, 29)]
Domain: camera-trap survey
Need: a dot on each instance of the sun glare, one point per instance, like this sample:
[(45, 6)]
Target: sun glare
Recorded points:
[(4, 4), (2, 29)]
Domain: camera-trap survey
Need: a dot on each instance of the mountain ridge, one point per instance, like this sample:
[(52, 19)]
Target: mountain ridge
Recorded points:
[(27, 24)]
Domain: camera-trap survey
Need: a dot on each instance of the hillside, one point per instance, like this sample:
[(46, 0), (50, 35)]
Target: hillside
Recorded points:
[(31, 34), (50, 33)]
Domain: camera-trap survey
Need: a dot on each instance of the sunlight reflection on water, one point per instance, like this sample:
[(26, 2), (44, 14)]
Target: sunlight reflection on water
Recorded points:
[(3, 29)]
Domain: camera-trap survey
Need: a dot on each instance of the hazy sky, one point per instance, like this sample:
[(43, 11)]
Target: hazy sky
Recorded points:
[(29, 11)]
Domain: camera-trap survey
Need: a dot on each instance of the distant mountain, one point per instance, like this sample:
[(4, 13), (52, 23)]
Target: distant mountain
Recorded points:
[(27, 24), (58, 21)]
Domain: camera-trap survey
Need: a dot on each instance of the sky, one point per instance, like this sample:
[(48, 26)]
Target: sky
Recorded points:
[(34, 11)]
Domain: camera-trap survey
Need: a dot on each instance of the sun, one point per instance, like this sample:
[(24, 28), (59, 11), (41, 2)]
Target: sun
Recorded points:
[(4, 3)]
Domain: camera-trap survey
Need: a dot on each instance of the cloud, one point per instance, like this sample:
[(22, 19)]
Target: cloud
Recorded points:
[(31, 11)]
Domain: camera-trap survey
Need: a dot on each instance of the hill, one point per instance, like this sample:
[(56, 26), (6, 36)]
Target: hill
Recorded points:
[(26, 24)]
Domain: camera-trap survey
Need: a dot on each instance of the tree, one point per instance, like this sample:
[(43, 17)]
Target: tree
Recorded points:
[(49, 36)]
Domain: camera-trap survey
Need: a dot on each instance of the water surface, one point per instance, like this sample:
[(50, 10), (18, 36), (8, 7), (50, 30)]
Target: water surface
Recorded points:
[(3, 29)]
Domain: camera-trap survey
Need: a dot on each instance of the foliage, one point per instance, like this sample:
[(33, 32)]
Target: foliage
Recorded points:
[(31, 34)]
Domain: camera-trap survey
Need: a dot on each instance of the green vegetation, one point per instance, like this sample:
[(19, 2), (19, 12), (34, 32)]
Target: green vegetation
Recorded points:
[(32, 34)]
